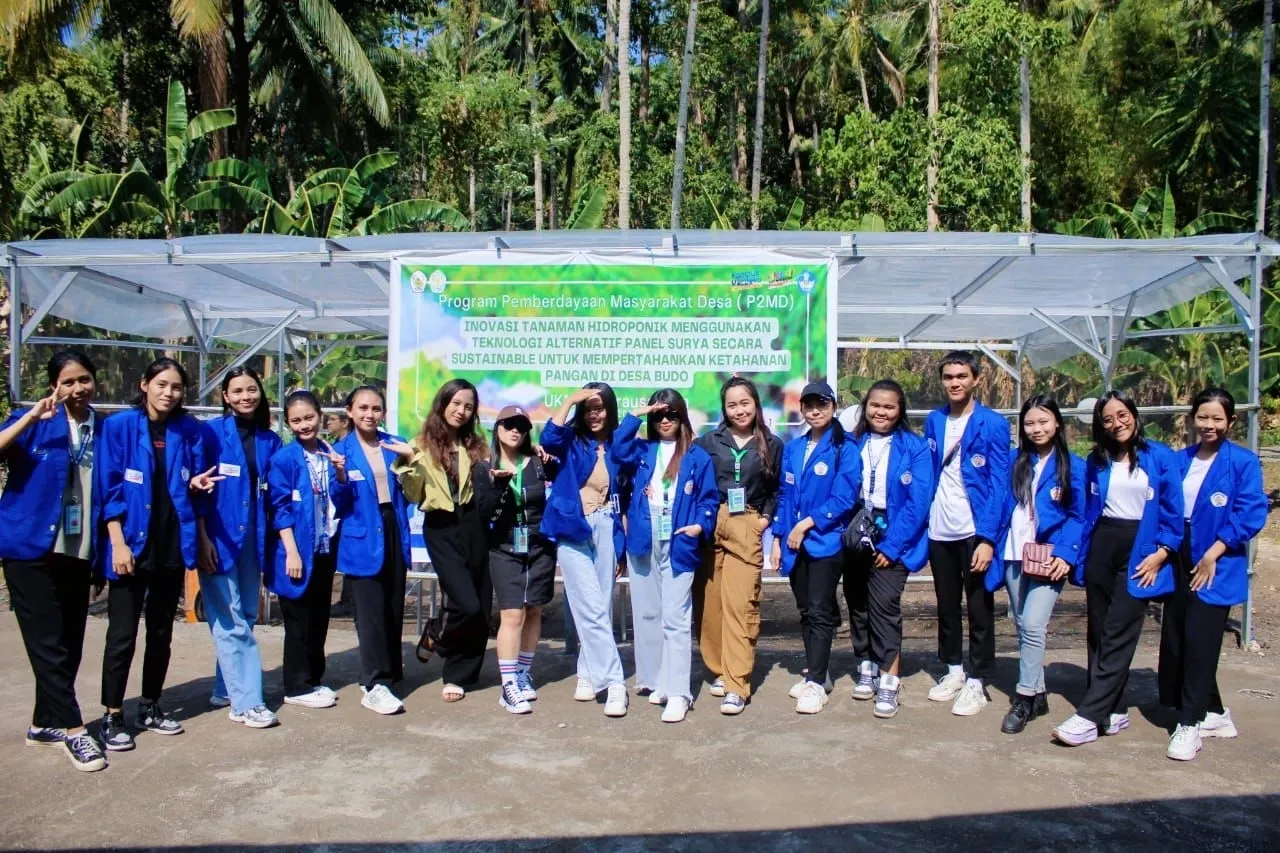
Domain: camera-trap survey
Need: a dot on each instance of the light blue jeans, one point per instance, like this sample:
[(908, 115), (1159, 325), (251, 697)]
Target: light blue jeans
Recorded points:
[(662, 612), (1031, 602), (231, 609), (589, 569)]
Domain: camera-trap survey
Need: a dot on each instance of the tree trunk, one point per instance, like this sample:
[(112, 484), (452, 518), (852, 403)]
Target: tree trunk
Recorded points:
[(551, 198), (124, 108), (740, 114), (531, 69), (757, 154), (1024, 75), (793, 138), (240, 79), (815, 144), (471, 195), (862, 84), (682, 117), (643, 107), (506, 210), (624, 114), (610, 42), (931, 171)]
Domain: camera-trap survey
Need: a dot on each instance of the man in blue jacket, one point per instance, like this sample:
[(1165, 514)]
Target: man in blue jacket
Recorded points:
[(971, 456)]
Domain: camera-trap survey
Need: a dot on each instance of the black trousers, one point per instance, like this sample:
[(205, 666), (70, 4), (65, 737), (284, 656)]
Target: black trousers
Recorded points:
[(874, 597), (50, 597), (460, 557), (1190, 643), (379, 601), (1115, 620), (949, 563), (149, 593), (814, 581), (306, 624)]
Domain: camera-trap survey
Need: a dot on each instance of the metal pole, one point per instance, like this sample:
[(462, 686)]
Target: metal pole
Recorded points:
[(203, 359), (280, 384), (15, 333)]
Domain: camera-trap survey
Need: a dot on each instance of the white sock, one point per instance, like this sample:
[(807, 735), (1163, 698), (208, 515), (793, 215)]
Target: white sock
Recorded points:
[(871, 666), (888, 682), (955, 669)]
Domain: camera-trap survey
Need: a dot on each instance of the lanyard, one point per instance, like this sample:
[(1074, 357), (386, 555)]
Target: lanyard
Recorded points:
[(86, 440), (666, 494), (738, 456), (875, 463), (319, 480), (517, 488)]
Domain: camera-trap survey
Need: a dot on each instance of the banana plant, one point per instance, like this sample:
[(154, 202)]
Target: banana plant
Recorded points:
[(1154, 215), (43, 182)]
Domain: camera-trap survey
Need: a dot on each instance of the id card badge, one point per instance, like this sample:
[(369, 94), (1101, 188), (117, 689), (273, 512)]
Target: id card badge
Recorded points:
[(615, 505), (664, 527), (737, 499), (520, 539), (71, 519)]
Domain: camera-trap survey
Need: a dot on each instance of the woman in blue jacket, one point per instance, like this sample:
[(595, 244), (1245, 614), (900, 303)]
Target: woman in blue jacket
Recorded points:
[(302, 478), (671, 514), (47, 512), (1133, 529), (1045, 505), (895, 491), (239, 545), (1224, 507), (820, 475), (583, 517), (149, 461), (373, 548)]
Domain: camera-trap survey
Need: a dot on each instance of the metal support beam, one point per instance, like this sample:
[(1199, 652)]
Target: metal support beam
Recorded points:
[(999, 360), (248, 352), (15, 333), (1239, 299), (196, 333), (1093, 334), (90, 342), (1089, 348), (931, 346), (983, 278), (64, 281), (258, 284), (314, 363), (1117, 343), (1190, 330)]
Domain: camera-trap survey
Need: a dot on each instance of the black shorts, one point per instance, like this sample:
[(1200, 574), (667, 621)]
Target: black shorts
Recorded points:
[(524, 580)]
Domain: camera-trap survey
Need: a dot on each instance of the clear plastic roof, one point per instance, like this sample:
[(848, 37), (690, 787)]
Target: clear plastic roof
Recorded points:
[(1034, 290)]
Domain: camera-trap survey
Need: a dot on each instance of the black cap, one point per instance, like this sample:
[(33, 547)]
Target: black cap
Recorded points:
[(818, 389)]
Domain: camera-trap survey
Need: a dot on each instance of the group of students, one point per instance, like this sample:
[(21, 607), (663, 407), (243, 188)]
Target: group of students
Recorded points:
[(137, 498)]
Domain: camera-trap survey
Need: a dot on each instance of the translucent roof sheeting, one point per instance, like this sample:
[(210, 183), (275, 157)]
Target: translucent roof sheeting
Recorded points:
[(1025, 289)]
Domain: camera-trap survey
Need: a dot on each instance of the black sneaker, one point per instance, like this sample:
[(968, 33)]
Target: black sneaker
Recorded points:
[(84, 753), (45, 737), (114, 734), (153, 718), (1020, 713)]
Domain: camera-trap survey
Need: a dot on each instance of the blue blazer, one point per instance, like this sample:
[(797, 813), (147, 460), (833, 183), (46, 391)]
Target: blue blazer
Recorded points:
[(697, 498), (1161, 522), (39, 463), (123, 465), (563, 519), (1056, 525), (985, 460), (293, 507), (823, 489), (230, 512), (1231, 507), (908, 493), (360, 547)]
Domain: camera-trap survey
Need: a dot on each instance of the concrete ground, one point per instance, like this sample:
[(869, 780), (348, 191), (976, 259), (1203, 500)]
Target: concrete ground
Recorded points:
[(469, 776)]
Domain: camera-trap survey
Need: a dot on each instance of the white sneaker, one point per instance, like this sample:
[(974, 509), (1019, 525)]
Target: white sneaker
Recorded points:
[(216, 701), (1184, 743), (327, 691), (509, 697), (798, 687), (812, 699), (255, 718), (947, 688), (1117, 723), (867, 681), (656, 698), (676, 710), (1218, 725), (524, 680), (584, 692), (972, 699), (381, 700), (717, 688), (1076, 731), (615, 704), (315, 699)]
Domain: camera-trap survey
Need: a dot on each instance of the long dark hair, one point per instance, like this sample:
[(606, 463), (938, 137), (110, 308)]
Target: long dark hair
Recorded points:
[(261, 416), (437, 437), (760, 433), (1105, 448), (864, 424), (1024, 468), (676, 404), (62, 358), (154, 369), (610, 401)]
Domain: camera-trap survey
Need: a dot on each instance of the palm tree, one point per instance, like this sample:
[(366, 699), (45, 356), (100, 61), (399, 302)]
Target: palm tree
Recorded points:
[(682, 118), (758, 153), (624, 114)]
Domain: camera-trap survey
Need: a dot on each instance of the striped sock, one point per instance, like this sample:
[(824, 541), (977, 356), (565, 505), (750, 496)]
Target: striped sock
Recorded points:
[(508, 670), (526, 661)]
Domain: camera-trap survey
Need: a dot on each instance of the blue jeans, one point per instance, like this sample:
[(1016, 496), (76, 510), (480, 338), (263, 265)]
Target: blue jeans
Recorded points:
[(662, 610), (231, 609), (1031, 602), (589, 568)]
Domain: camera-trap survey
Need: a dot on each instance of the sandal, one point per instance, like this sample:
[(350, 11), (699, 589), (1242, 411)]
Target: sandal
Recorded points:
[(426, 646), (452, 693)]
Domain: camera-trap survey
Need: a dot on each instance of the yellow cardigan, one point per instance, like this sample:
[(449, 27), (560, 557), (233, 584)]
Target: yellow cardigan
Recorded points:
[(427, 484)]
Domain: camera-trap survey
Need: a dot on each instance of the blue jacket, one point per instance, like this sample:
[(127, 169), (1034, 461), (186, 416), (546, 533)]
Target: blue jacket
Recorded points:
[(230, 512), (697, 499), (1161, 522), (823, 489), (360, 543), (985, 460), (908, 493), (293, 507), (1056, 525), (1232, 507), (563, 519), (123, 465), (39, 463)]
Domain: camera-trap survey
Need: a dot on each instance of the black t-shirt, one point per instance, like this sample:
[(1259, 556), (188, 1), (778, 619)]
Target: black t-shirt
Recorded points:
[(248, 440), (163, 550)]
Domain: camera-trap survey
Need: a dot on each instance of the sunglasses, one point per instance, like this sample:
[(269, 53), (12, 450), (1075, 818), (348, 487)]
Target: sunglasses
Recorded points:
[(667, 416), (515, 424)]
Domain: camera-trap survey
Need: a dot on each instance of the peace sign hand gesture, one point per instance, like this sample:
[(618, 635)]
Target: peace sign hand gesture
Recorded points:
[(399, 448), (206, 481), (46, 407)]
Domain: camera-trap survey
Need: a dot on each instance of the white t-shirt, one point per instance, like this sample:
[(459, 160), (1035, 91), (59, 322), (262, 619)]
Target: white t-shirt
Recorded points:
[(1021, 528), (951, 517), (1126, 493), (809, 447), (666, 450), (1193, 481), (875, 458)]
